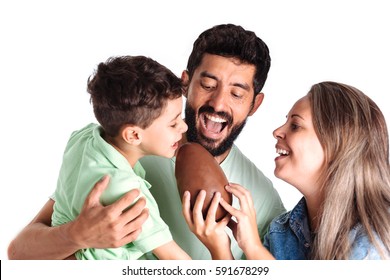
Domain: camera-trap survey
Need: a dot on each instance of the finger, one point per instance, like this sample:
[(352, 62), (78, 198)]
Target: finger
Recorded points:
[(236, 189), (233, 226), (131, 237), (197, 209), (137, 222), (124, 202), (134, 211), (186, 208), (212, 211), (134, 228), (244, 196), (230, 209), (93, 197), (225, 220)]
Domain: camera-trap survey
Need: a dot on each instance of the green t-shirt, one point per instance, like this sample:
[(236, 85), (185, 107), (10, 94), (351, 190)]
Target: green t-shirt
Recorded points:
[(87, 158), (160, 172)]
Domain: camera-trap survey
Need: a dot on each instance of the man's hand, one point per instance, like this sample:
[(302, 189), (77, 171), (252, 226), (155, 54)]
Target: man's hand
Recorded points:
[(110, 226)]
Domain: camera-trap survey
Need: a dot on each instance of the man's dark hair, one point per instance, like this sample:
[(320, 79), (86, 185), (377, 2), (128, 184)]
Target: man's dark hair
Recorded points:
[(233, 41)]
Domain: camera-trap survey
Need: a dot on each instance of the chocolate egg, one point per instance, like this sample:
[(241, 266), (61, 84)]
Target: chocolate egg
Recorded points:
[(196, 169)]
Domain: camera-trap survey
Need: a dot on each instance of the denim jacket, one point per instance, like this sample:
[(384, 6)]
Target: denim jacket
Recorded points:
[(289, 237)]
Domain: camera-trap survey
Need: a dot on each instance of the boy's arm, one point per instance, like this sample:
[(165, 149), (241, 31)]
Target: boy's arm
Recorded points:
[(97, 226), (171, 251), (211, 233)]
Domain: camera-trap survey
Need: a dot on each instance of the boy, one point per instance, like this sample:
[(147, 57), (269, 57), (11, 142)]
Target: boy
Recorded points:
[(138, 103)]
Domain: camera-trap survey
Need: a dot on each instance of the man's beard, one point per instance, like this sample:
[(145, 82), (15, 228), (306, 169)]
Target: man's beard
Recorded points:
[(209, 144)]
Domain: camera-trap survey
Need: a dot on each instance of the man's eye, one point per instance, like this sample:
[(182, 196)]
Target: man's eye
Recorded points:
[(236, 95), (207, 87)]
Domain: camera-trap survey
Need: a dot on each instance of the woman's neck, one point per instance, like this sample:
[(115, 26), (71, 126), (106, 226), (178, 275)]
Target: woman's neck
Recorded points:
[(314, 204)]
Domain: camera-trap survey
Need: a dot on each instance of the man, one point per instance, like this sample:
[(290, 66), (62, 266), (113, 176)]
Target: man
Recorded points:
[(225, 73)]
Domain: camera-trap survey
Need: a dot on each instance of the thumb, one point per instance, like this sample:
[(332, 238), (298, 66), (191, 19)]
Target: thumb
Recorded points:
[(233, 226), (93, 197)]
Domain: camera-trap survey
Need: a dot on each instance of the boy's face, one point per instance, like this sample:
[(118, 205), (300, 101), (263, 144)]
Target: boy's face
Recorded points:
[(220, 97), (163, 135)]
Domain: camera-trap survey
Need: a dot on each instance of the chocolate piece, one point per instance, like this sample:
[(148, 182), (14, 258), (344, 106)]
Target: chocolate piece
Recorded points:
[(196, 169)]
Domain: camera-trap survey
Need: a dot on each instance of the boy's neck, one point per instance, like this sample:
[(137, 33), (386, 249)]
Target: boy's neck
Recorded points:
[(129, 152)]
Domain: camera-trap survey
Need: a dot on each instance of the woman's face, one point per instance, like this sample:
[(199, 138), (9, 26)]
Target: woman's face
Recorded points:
[(301, 156)]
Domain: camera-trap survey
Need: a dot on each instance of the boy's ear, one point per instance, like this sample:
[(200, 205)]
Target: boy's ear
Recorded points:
[(132, 135), (185, 80)]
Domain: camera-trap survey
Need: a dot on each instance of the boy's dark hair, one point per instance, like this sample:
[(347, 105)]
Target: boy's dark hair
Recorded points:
[(131, 90), (233, 41)]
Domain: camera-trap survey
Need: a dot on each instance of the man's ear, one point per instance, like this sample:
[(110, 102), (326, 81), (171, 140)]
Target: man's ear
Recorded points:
[(185, 80), (132, 134), (256, 104)]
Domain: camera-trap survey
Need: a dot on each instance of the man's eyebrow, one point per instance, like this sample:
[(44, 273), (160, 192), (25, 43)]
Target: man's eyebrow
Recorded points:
[(206, 74), (244, 86)]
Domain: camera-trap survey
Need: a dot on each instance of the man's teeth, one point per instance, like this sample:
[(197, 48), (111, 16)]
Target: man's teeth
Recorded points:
[(215, 119), (282, 152)]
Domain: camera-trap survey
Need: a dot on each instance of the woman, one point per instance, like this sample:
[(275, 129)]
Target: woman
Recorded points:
[(334, 149)]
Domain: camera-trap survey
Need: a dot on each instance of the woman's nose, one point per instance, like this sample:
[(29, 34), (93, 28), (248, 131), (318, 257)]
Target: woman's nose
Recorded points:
[(279, 133)]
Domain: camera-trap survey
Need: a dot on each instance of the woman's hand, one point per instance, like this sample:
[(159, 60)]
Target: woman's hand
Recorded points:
[(211, 233), (245, 229)]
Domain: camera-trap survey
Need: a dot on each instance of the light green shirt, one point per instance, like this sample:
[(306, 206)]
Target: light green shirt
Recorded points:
[(87, 158), (239, 169)]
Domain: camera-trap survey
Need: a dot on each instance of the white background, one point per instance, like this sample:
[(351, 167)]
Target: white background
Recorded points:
[(49, 48)]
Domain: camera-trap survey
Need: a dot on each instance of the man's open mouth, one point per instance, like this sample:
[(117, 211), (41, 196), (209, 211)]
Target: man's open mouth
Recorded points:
[(213, 123)]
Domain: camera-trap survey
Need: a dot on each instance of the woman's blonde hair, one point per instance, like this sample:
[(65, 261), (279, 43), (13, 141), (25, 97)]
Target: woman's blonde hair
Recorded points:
[(356, 181)]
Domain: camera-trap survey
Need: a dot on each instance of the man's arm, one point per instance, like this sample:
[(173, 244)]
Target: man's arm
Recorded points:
[(97, 226)]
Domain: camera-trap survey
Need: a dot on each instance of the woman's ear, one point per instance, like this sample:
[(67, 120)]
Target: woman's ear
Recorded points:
[(132, 135)]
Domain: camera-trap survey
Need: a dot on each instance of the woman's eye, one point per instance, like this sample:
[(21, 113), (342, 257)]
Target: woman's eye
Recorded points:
[(294, 126)]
